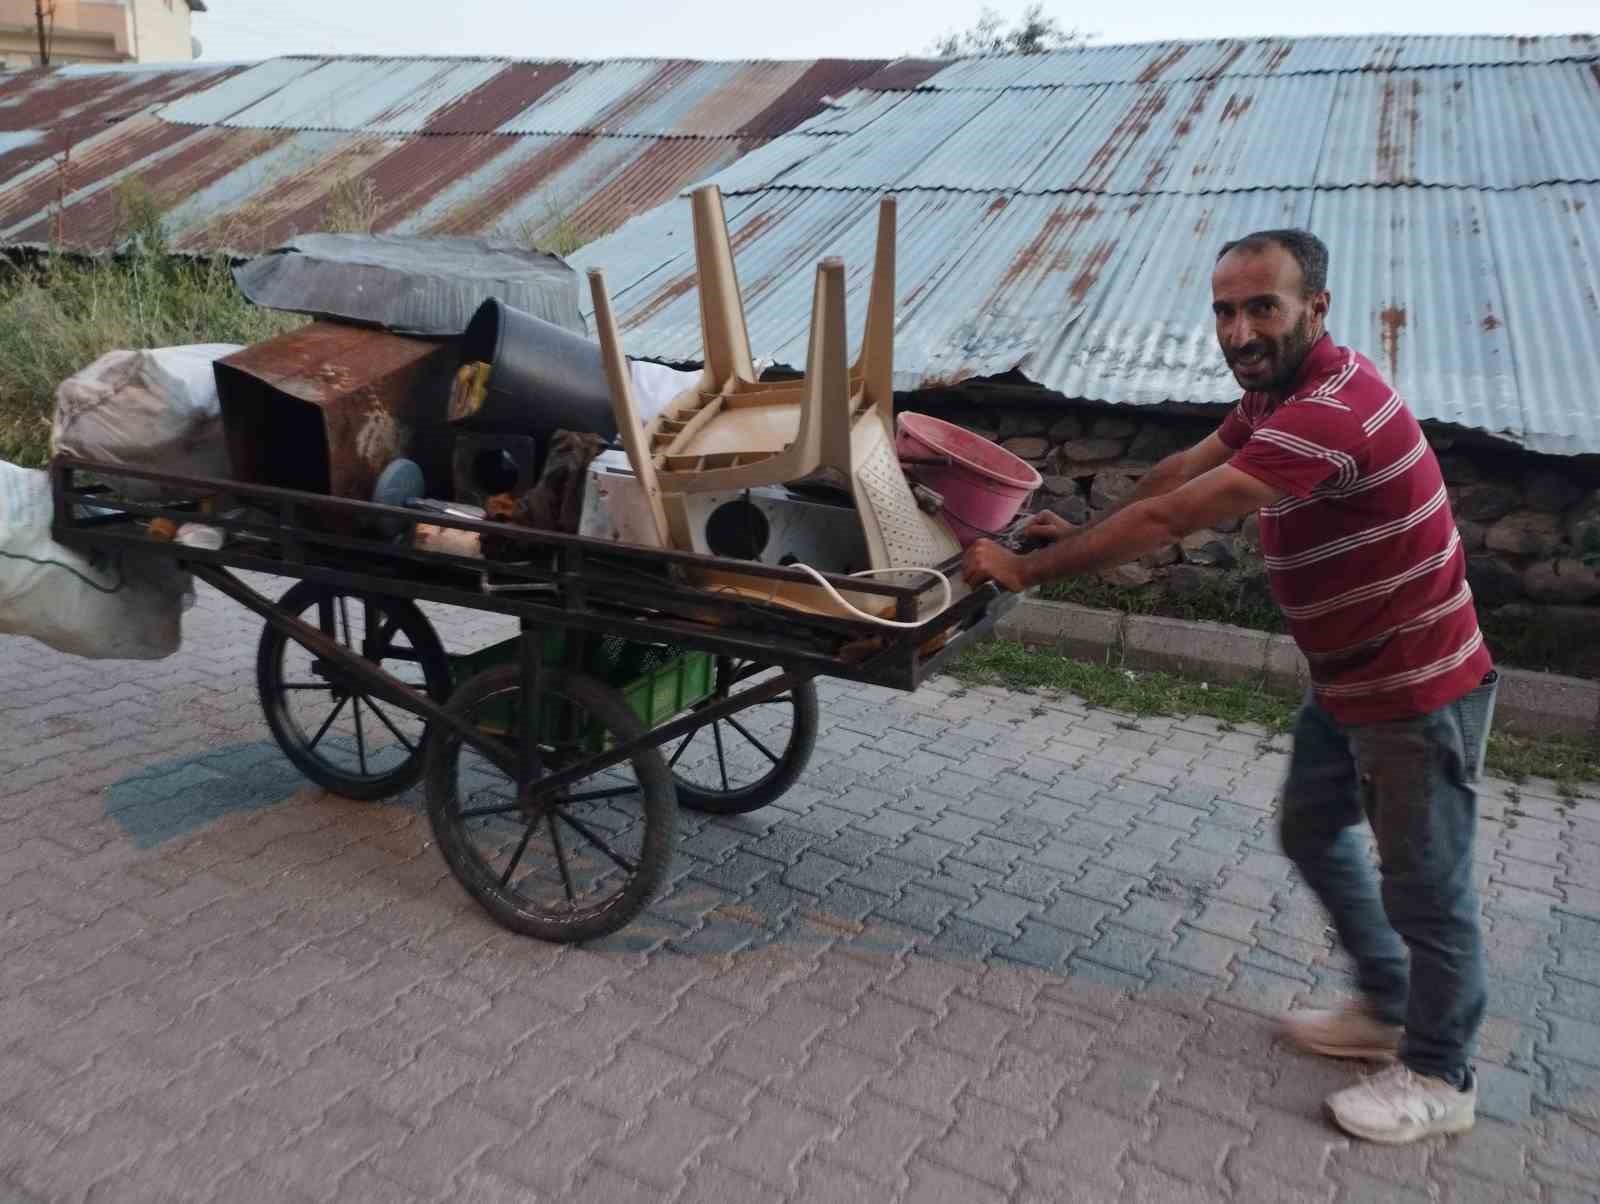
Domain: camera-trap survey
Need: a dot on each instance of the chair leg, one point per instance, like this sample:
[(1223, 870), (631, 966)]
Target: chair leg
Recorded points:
[(623, 407), (875, 364), (722, 324)]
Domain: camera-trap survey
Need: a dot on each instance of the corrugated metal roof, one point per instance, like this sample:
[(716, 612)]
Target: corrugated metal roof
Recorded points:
[(640, 97), (1496, 127), (244, 158), (1109, 297), (1230, 58), (42, 113), (1059, 215)]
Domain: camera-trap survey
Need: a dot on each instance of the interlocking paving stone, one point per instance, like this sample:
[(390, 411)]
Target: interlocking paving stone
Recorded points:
[(988, 947)]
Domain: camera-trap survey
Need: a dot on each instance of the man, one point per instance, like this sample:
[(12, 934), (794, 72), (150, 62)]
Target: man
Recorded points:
[(1363, 556)]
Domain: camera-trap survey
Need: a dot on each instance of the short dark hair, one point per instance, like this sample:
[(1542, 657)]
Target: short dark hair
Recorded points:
[(1308, 250)]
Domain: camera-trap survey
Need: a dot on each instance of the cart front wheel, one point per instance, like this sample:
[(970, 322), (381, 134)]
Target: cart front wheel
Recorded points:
[(343, 740), (738, 764), (571, 865)]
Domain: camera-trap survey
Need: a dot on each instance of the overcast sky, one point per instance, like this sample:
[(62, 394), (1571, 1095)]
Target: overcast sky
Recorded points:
[(235, 30)]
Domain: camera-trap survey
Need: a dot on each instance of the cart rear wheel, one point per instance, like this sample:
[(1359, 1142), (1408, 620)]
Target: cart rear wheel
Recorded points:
[(747, 760), (344, 740), (570, 867)]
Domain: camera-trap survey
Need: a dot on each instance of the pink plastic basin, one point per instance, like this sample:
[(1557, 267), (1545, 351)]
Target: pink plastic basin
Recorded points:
[(983, 484)]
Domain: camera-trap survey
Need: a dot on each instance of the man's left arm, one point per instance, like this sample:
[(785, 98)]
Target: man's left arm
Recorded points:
[(1220, 494)]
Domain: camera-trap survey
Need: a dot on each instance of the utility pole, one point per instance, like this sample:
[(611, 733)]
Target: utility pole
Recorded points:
[(44, 42)]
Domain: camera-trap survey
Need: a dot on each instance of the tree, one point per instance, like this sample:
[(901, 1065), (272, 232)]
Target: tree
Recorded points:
[(1033, 33)]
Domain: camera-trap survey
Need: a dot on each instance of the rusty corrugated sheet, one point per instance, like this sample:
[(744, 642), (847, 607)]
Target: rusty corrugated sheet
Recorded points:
[(1066, 230), (244, 158), (1230, 58), (43, 113), (88, 97)]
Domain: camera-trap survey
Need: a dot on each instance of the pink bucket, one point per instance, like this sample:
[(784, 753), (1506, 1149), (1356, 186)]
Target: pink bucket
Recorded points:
[(983, 484)]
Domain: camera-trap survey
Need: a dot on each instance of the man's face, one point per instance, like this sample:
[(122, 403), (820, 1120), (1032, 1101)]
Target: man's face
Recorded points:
[(1266, 324)]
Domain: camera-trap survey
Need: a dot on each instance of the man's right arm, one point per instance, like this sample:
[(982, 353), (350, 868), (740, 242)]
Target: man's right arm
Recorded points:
[(1176, 471)]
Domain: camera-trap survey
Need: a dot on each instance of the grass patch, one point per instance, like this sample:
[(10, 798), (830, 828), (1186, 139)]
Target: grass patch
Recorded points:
[(1570, 764), (58, 315), (1516, 636), (1237, 598), (1009, 664)]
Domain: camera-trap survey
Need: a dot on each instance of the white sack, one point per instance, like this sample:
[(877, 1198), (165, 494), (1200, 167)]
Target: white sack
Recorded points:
[(654, 385), (155, 410), (110, 609)]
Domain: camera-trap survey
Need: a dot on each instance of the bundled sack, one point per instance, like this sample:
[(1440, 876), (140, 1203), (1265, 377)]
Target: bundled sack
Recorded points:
[(155, 410), (123, 608)]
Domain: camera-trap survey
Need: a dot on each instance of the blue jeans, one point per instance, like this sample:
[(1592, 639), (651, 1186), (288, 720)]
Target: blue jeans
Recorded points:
[(1413, 781)]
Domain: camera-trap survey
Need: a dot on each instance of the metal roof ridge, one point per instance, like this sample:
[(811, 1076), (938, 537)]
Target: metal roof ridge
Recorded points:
[(1375, 35), (1375, 185), (377, 132), (1385, 69), (513, 60)]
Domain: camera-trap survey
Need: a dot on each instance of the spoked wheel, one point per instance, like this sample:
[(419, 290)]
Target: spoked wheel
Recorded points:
[(569, 866), (743, 762), (343, 740)]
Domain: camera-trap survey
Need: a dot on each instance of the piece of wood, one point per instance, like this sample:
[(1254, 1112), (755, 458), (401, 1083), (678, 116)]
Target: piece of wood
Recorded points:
[(811, 599)]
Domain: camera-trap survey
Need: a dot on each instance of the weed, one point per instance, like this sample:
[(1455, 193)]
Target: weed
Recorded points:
[(1002, 662), (141, 225), (1568, 763), (353, 206), (555, 228), (1238, 597), (60, 314)]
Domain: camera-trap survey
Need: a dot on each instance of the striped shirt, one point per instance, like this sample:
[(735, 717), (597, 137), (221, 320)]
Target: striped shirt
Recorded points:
[(1363, 553)]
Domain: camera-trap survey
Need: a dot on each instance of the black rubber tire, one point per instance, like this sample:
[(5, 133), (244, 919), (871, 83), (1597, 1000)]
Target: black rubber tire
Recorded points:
[(301, 747), (787, 766), (655, 793)]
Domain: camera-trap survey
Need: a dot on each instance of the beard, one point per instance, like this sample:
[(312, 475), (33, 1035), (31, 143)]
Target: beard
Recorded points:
[(1266, 365)]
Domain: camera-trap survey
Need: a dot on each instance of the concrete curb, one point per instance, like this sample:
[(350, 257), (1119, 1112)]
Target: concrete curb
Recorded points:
[(1529, 704)]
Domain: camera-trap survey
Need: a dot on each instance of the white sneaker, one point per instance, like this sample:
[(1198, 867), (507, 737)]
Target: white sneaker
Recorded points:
[(1398, 1105), (1348, 1032)]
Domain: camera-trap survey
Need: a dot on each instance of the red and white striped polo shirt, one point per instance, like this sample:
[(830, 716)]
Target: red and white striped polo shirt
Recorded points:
[(1363, 554)]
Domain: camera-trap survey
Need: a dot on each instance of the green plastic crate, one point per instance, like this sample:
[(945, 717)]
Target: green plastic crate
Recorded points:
[(657, 681)]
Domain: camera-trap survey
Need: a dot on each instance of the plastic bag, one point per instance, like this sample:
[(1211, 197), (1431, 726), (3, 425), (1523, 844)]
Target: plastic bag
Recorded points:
[(122, 608), (155, 410)]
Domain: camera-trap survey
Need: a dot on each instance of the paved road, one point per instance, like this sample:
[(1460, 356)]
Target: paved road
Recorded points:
[(993, 947)]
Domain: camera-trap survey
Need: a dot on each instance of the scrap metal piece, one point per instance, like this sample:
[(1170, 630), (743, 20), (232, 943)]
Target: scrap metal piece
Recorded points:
[(326, 407), (409, 284)]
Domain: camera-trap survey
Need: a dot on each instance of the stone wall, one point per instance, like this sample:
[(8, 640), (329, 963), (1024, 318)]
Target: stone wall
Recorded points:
[(1530, 524)]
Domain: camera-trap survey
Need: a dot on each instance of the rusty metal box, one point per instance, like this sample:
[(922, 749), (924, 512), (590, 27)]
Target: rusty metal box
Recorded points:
[(325, 407)]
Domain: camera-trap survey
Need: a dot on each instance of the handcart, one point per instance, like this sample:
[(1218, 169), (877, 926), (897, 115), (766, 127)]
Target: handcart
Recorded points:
[(552, 762)]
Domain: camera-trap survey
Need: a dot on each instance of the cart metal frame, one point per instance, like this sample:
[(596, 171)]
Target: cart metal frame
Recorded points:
[(585, 586)]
